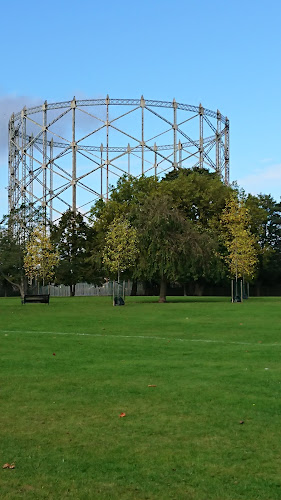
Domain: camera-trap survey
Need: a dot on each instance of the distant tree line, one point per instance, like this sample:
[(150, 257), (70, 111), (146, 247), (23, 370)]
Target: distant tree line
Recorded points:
[(188, 228)]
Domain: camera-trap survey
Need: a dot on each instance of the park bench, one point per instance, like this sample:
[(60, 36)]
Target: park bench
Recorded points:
[(42, 299)]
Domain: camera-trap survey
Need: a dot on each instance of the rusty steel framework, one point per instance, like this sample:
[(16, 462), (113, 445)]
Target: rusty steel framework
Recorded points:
[(69, 154)]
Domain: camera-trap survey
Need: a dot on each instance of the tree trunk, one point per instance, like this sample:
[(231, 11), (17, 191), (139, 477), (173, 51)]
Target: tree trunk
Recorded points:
[(134, 288), (163, 290), (20, 285), (72, 290), (198, 289)]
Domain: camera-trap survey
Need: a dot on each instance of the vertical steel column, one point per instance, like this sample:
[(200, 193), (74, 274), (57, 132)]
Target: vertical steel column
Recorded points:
[(107, 126), (31, 170), (129, 158), (226, 168), (51, 190), (44, 162), (218, 144), (101, 151), (23, 159), (201, 113), (74, 146), (11, 162), (175, 128), (155, 160), (9, 168), (180, 154), (142, 104), (17, 170)]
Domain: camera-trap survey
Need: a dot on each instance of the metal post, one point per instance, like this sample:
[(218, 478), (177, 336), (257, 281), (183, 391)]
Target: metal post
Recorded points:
[(101, 151), (241, 290), (31, 170), (175, 128), (142, 104), (23, 151), (74, 180), (11, 193), (218, 143), (129, 159), (23, 161), (201, 113), (51, 190), (155, 160), (44, 162), (107, 145), (180, 154), (17, 172), (226, 171)]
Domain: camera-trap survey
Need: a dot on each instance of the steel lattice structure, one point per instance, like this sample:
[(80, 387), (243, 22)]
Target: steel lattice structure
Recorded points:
[(68, 154)]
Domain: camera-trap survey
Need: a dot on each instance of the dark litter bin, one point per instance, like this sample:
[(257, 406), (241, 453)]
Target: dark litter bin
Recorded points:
[(237, 298), (118, 301)]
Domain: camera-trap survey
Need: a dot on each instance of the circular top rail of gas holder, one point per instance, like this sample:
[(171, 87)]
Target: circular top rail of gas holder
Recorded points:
[(122, 102), (147, 103)]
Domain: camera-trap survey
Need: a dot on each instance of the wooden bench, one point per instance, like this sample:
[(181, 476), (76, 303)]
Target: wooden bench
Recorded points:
[(40, 299)]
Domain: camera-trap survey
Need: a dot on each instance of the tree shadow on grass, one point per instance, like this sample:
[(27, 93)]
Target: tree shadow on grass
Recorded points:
[(180, 300)]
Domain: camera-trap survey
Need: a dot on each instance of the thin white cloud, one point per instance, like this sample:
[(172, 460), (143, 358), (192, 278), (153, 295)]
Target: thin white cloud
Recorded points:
[(263, 180), (10, 104), (266, 160)]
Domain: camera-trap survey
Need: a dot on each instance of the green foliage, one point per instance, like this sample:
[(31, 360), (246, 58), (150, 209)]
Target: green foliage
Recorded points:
[(265, 220), (177, 223), (15, 230), (11, 259), (200, 195), (171, 247), (71, 239)]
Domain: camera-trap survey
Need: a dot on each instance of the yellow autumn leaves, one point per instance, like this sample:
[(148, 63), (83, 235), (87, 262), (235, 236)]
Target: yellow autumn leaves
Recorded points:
[(241, 245), (40, 256), (120, 250)]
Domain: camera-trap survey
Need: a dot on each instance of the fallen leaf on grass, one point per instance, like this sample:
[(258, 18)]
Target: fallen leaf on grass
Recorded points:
[(122, 414), (241, 422), (54, 353), (152, 385), (8, 466)]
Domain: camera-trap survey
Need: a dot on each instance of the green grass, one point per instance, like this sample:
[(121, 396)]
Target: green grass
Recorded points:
[(214, 364)]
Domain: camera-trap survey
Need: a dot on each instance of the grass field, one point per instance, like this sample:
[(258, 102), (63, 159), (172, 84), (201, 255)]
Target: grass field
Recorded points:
[(68, 370)]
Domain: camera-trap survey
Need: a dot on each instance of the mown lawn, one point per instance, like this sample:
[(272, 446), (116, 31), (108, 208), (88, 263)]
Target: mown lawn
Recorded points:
[(68, 370)]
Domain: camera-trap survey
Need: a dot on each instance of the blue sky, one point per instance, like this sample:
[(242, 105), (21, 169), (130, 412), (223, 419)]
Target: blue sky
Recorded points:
[(224, 54)]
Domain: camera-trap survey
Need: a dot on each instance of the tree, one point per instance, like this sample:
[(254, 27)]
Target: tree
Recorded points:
[(40, 256), (11, 260), (15, 230), (200, 196), (132, 198), (70, 238), (170, 245), (120, 249), (265, 221), (125, 202), (241, 256)]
